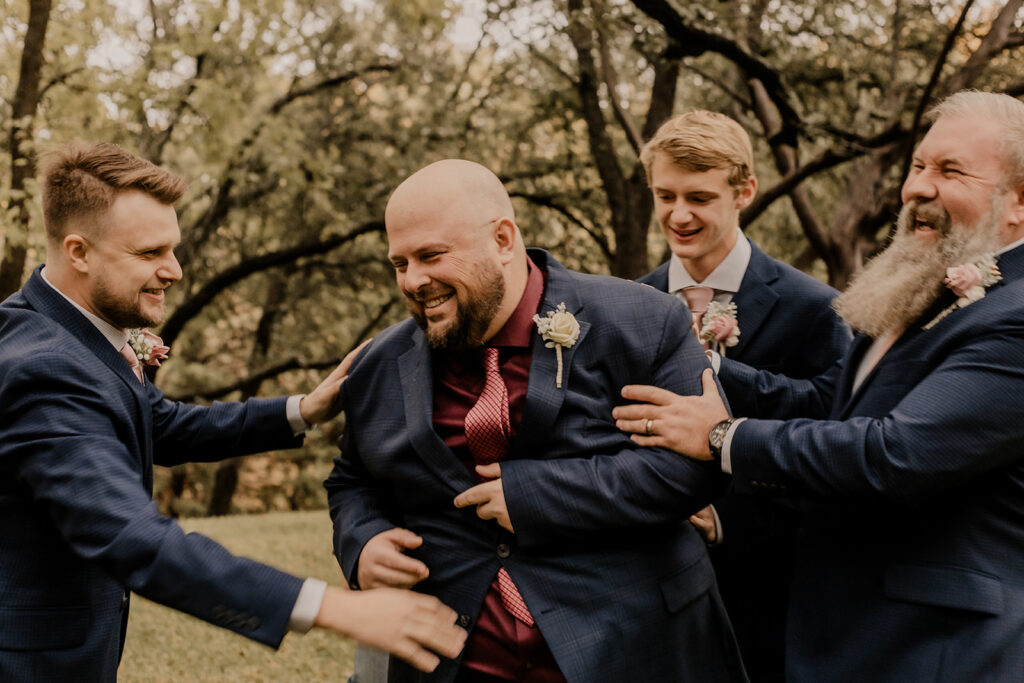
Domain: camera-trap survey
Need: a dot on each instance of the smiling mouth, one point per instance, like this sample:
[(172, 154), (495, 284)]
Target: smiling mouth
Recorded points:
[(154, 292), (686, 233)]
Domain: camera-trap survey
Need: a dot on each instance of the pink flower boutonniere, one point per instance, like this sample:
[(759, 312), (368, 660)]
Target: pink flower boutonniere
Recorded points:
[(969, 282), (148, 347), (718, 324)]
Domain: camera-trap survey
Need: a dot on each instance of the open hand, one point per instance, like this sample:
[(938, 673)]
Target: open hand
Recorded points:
[(672, 421), (410, 625), (489, 497), (322, 404)]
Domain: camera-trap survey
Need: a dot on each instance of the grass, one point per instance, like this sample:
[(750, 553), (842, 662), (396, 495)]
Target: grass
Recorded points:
[(165, 646)]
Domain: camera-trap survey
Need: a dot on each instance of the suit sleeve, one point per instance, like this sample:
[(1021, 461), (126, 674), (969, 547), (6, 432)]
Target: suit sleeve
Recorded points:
[(585, 496), (766, 395), (189, 433), (960, 422), (69, 446)]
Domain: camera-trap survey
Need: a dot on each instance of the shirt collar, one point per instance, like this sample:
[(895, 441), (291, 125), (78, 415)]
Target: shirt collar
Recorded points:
[(116, 336), (1012, 245), (519, 328), (726, 277)]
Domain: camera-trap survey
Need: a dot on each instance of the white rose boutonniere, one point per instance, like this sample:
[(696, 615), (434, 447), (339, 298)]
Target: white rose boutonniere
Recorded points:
[(718, 324), (148, 347), (559, 329), (969, 282)]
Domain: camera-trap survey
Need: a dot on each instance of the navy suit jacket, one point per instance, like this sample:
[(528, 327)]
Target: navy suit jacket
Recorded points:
[(598, 553), (78, 528), (787, 325), (910, 565)]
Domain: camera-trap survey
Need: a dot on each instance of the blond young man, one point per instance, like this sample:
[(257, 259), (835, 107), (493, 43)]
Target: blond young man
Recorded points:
[(700, 168)]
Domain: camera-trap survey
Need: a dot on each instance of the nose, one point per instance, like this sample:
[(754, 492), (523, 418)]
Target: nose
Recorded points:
[(170, 269), (414, 277), (918, 185), (681, 213)]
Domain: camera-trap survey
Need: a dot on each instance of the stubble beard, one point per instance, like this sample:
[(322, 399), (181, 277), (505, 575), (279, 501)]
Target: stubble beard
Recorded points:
[(897, 286), (472, 318), (119, 311)]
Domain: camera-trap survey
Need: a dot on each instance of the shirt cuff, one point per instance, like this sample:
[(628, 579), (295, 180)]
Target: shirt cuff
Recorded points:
[(291, 411), (307, 605), (715, 358), (719, 534), (727, 445)]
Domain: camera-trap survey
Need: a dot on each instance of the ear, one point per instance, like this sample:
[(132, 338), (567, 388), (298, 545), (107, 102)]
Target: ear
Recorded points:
[(505, 233), (746, 193), (76, 252)]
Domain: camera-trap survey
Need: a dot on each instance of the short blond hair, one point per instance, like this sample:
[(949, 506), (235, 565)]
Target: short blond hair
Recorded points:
[(702, 140)]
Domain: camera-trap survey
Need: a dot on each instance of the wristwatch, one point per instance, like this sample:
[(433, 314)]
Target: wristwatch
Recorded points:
[(716, 437)]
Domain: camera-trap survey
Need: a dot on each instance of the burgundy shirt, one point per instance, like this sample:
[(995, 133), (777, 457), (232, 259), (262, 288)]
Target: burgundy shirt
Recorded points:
[(500, 647)]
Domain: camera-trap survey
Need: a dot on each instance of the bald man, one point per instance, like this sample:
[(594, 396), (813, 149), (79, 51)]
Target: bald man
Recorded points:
[(480, 462)]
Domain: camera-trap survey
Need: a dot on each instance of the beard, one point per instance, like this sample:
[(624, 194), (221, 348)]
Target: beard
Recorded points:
[(119, 311), (472, 317), (897, 286)]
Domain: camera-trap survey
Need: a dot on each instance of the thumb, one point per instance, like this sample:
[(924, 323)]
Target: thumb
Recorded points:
[(403, 538), (492, 471), (707, 380)]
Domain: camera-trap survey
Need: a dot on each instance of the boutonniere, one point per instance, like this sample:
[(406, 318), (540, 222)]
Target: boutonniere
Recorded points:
[(969, 282), (559, 329), (148, 347), (718, 324)]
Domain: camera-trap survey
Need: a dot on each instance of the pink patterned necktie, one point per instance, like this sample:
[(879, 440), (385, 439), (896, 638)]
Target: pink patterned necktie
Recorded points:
[(133, 360), (697, 299), (487, 433)]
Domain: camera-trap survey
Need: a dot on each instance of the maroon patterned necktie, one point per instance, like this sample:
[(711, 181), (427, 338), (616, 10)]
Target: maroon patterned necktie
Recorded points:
[(487, 433)]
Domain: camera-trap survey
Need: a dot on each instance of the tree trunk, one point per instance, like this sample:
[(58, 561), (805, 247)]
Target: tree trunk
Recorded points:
[(23, 167)]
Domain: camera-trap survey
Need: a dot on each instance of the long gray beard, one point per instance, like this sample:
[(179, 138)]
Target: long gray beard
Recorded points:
[(897, 286)]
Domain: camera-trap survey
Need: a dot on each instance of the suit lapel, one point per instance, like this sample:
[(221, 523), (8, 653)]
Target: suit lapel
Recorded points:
[(755, 299), (48, 302), (543, 398), (415, 372)]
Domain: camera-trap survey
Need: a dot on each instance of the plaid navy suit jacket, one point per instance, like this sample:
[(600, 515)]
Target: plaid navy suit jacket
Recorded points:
[(910, 564), (78, 438), (618, 587)]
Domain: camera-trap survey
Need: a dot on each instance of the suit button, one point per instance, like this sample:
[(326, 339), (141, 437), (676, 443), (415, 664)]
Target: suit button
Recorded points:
[(504, 550), (464, 620)]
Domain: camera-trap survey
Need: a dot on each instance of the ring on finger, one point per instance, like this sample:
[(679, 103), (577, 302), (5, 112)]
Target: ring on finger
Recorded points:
[(649, 427)]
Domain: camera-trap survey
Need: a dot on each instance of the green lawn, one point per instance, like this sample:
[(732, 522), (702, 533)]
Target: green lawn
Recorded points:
[(166, 646)]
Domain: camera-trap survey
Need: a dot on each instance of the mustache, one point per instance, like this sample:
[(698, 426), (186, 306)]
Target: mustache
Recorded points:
[(916, 211)]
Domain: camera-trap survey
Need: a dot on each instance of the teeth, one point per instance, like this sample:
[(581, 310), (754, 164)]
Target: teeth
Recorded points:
[(435, 302)]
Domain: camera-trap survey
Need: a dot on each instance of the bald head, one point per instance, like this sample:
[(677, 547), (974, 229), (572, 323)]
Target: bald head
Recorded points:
[(457, 190), (458, 256)]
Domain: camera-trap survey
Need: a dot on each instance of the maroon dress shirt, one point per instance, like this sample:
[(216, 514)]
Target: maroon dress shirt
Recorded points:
[(500, 647)]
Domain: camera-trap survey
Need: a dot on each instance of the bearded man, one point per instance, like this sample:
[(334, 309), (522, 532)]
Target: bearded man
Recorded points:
[(81, 428), (911, 448), (480, 462)]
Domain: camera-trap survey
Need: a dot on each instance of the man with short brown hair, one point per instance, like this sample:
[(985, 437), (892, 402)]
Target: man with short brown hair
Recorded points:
[(82, 428)]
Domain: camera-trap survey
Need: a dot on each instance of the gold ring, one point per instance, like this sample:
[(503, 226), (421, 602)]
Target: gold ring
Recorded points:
[(649, 427)]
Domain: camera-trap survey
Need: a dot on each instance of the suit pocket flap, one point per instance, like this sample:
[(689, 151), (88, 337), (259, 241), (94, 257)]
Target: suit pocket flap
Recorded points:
[(42, 628), (688, 584), (945, 587)]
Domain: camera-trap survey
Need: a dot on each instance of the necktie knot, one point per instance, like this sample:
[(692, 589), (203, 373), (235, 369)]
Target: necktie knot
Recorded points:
[(698, 298)]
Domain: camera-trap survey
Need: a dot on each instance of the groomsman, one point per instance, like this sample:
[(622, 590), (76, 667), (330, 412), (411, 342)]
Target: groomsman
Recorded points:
[(700, 168), (480, 462), (911, 447), (81, 428)]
